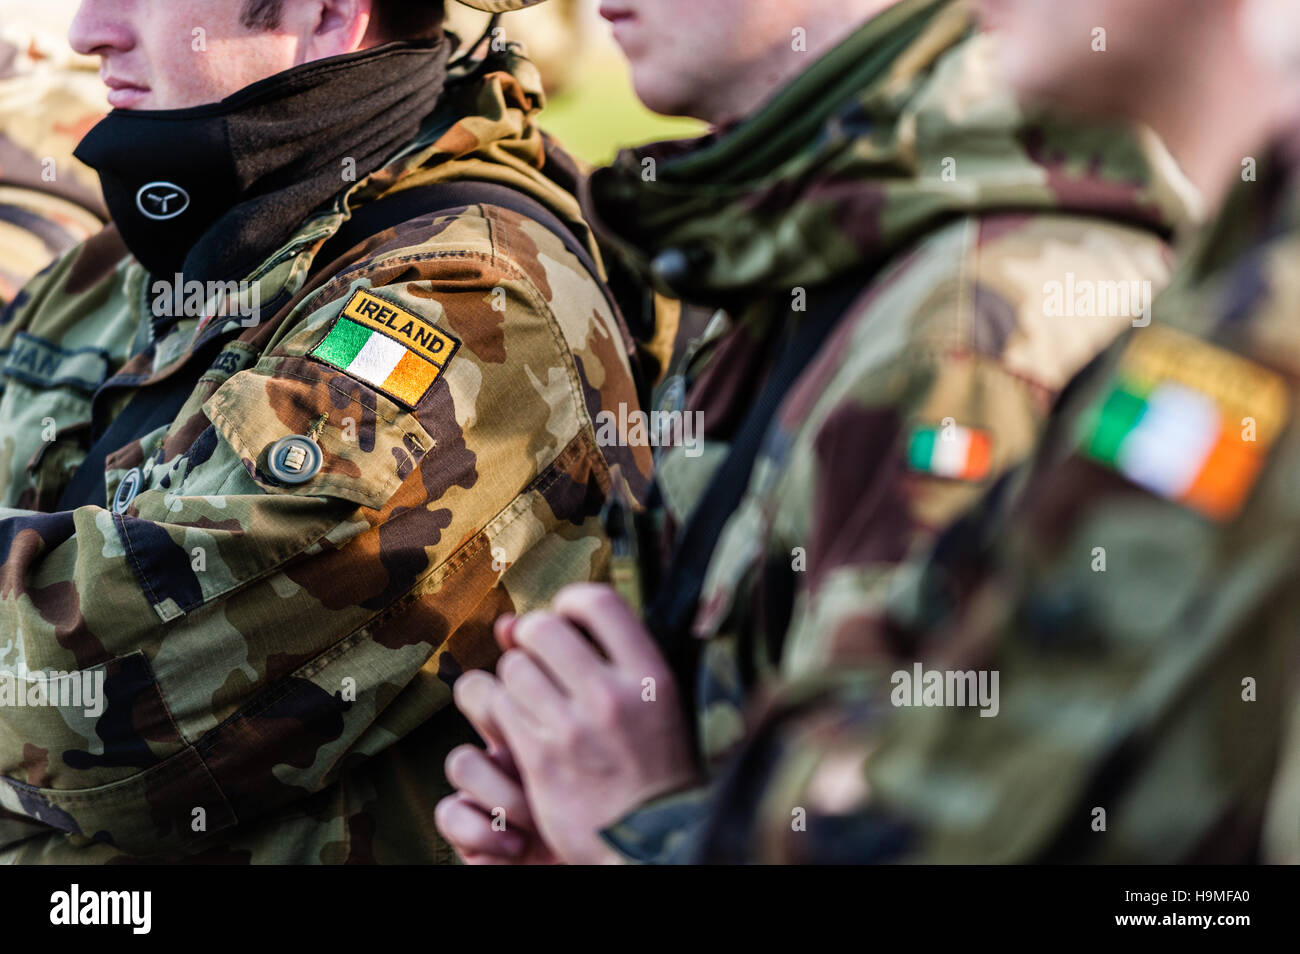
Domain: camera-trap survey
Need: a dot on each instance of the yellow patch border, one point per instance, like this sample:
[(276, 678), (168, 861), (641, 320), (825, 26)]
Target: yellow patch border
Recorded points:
[(361, 298)]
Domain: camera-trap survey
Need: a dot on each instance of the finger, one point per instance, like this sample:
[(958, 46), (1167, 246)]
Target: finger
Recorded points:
[(468, 829), (561, 651), (502, 759), (483, 860), (503, 629), (473, 771), (472, 692), (603, 614), (532, 688), (521, 734)]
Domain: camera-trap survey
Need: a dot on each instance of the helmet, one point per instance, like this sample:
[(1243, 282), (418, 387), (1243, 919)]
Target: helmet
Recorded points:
[(499, 6)]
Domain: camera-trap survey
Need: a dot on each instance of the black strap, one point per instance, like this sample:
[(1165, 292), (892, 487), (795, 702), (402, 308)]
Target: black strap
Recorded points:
[(673, 610), (154, 407)]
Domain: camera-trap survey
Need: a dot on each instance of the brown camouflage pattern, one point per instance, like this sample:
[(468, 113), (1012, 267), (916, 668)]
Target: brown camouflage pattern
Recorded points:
[(278, 660), (1148, 704), (953, 328)]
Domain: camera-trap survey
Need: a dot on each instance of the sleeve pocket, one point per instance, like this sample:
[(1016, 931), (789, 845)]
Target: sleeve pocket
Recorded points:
[(369, 445)]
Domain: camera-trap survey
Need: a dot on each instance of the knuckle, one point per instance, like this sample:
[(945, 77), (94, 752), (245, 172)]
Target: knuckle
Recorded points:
[(571, 737), (530, 624), (604, 706)]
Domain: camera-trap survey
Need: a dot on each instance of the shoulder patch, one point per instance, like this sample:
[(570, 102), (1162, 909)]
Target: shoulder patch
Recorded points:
[(386, 347), (951, 451), (1187, 420)]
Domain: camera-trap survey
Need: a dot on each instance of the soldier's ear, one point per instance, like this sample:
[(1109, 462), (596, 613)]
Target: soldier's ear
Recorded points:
[(341, 26)]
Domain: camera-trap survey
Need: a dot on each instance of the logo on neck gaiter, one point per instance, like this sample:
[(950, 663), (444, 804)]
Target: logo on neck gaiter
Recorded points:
[(161, 201)]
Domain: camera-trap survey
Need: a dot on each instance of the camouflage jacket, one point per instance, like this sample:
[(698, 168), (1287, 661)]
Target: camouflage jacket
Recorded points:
[(998, 252), (276, 656), (49, 201), (1137, 593)]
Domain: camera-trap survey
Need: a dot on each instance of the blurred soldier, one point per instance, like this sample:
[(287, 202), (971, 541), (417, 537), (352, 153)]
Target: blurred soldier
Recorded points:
[(907, 260), (1139, 598), (49, 201), (287, 438)]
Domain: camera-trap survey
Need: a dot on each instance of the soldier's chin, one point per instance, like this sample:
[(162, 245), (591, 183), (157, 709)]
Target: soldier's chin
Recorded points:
[(661, 97), (1053, 84)]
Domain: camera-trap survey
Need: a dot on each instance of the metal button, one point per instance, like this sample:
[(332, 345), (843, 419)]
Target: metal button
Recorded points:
[(676, 267), (294, 460), (127, 490)]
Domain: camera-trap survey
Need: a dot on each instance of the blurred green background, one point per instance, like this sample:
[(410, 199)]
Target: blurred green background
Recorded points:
[(601, 114)]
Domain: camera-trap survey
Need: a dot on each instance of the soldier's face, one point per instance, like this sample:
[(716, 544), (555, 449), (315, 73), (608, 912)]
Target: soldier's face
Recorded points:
[(1099, 56), (175, 54), (688, 55)]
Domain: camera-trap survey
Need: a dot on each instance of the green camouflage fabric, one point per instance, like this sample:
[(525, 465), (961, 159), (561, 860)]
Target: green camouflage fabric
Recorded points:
[(277, 660), (49, 201), (1143, 616), (961, 215)]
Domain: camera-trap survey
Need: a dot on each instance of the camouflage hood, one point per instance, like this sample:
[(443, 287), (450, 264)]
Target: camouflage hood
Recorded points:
[(886, 137), (486, 130)]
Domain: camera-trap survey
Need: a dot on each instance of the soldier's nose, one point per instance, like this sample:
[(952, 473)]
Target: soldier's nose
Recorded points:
[(98, 29)]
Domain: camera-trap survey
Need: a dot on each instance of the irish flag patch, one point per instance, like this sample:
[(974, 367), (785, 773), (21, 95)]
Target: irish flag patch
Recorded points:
[(1186, 420), (387, 347), (951, 451)]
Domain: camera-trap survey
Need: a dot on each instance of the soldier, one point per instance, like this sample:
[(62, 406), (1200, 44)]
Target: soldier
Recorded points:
[(911, 268), (278, 446), (49, 201), (1138, 598)]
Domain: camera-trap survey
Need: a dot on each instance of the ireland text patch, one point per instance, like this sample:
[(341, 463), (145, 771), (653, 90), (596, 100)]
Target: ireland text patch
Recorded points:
[(1187, 420), (387, 347)]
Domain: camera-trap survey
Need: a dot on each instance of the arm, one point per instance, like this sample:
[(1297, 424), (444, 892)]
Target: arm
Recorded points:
[(931, 393), (1144, 647), (280, 629)]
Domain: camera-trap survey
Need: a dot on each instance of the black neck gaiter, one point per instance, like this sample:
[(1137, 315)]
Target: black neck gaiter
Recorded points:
[(210, 192)]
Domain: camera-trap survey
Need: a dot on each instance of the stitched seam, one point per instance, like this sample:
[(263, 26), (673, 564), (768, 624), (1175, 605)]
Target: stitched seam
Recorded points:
[(135, 563)]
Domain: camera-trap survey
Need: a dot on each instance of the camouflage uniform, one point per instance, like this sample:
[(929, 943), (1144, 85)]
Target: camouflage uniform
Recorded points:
[(1137, 592), (957, 210), (278, 658), (49, 201)]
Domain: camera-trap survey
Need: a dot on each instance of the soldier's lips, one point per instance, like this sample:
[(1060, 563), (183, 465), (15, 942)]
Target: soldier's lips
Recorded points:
[(616, 15), (624, 22), (125, 95), (612, 10)]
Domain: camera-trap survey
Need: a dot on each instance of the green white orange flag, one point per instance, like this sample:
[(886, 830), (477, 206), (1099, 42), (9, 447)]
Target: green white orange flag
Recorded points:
[(387, 347), (1186, 420)]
